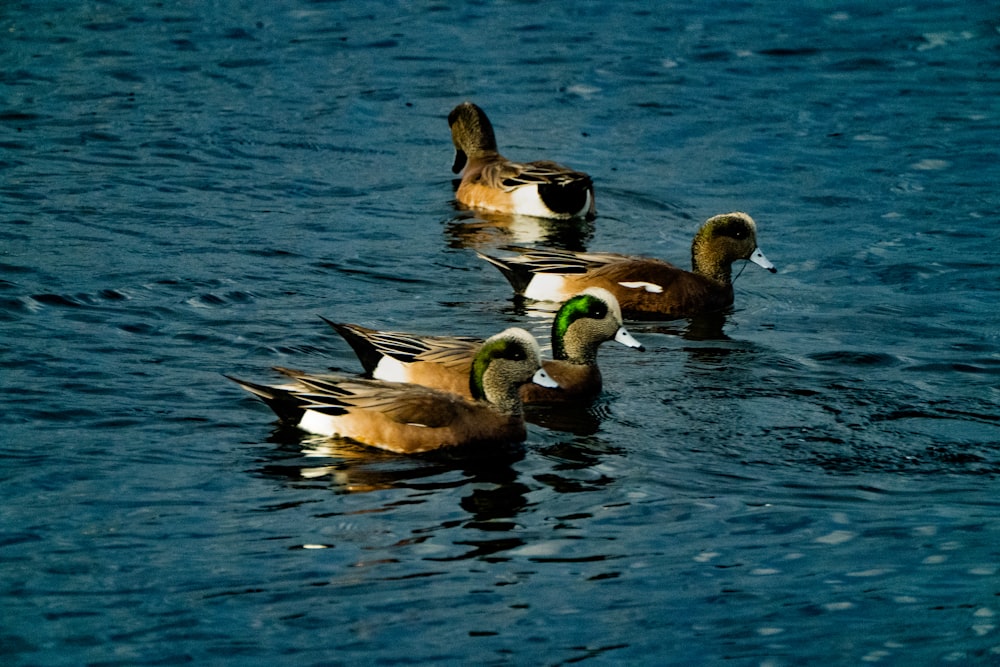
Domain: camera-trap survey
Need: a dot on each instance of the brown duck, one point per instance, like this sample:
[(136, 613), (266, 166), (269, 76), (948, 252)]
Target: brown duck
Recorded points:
[(646, 288)]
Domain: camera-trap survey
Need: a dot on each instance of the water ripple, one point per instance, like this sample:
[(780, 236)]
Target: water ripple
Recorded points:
[(809, 474)]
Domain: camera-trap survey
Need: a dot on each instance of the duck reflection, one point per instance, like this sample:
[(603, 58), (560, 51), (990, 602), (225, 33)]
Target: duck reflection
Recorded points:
[(574, 463), (575, 418), (493, 509), (706, 327), (478, 229), (496, 495), (496, 489), (360, 469)]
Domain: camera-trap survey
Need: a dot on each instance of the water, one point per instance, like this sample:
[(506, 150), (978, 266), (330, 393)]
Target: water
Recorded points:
[(811, 479)]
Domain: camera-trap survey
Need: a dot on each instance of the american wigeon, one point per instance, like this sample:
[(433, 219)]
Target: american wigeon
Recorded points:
[(409, 418), (646, 288), (543, 189), (581, 325)]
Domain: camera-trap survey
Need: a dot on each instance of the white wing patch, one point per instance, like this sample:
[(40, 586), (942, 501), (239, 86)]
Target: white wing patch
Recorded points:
[(649, 287), (319, 424), (547, 287), (526, 201), (391, 370)]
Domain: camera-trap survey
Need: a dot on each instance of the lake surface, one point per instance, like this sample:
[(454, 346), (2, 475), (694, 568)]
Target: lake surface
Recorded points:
[(811, 479)]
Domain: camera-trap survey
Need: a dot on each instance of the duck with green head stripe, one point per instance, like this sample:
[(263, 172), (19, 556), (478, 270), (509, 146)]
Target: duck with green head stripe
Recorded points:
[(582, 324), (408, 418)]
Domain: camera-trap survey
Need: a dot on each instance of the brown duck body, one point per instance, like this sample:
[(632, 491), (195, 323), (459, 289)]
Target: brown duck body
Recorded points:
[(402, 418), (408, 418), (442, 362), (420, 419), (490, 181), (577, 383), (582, 324), (542, 189), (646, 288)]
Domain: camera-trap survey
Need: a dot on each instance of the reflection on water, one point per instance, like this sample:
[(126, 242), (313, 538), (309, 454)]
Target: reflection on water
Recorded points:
[(486, 229), (578, 419), (360, 469), (490, 489), (705, 327), (577, 465)]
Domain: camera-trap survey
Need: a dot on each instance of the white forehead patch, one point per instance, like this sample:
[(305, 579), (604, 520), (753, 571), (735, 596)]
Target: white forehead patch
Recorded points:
[(608, 298), (519, 335)]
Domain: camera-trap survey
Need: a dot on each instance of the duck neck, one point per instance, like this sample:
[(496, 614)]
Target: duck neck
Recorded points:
[(483, 155), (506, 399), (706, 263), (575, 350), (485, 385)]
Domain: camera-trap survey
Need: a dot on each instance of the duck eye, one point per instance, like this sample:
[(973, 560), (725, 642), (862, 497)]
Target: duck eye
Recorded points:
[(599, 311), (516, 354), (735, 229), (738, 233)]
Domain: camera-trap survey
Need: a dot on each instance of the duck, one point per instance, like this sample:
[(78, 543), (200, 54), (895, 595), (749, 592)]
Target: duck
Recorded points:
[(489, 181), (413, 419), (580, 326), (646, 288)]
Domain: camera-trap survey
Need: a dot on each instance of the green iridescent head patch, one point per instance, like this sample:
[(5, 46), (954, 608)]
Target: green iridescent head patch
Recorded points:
[(578, 307)]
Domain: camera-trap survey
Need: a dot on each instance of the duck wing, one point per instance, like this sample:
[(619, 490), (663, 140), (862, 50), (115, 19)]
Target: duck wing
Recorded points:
[(552, 260), (370, 345), (507, 175), (401, 403)]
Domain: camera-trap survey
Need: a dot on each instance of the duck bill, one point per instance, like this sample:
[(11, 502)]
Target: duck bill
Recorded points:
[(758, 258), (625, 338), (544, 379)]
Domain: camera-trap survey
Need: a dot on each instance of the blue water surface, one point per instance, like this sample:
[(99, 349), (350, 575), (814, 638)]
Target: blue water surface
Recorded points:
[(809, 479)]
